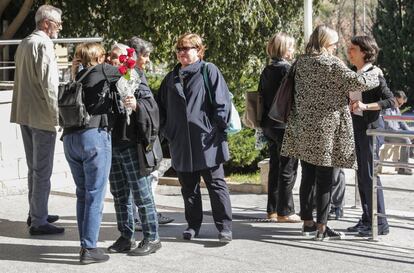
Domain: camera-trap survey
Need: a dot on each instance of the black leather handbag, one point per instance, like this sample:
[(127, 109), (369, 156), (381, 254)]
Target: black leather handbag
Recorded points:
[(284, 99)]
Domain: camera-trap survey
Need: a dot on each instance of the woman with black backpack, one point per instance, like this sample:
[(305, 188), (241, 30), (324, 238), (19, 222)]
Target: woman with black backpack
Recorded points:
[(88, 147)]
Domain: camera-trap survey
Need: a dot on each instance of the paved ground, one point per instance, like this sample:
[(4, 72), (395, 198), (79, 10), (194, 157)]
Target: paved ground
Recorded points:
[(258, 246)]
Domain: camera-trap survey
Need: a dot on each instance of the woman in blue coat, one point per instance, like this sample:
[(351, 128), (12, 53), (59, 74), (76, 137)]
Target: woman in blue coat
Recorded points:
[(194, 122)]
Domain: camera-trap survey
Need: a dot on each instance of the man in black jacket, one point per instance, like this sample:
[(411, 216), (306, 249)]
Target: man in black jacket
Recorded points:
[(366, 106)]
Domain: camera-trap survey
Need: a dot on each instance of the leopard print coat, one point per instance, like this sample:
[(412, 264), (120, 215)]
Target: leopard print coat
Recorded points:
[(319, 129)]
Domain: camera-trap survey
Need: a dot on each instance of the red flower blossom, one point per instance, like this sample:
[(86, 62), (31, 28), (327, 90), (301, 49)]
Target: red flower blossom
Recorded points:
[(123, 69), (130, 52), (122, 58), (130, 63)]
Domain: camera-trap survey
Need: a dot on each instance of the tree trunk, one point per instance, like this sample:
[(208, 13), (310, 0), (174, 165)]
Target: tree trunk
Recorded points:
[(18, 20), (3, 5)]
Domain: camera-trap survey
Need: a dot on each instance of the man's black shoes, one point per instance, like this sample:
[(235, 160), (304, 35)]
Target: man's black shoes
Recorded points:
[(122, 245), (47, 229), (93, 255), (146, 247), (50, 219)]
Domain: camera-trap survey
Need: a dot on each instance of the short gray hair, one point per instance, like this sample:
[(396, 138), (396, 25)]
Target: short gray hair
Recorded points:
[(48, 12), (141, 46), (400, 94), (121, 47)]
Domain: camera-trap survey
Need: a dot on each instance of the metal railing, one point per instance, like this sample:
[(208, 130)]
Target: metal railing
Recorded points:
[(58, 41), (5, 85), (378, 162)]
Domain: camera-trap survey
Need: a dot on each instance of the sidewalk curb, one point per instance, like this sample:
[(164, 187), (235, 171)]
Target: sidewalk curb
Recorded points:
[(233, 187)]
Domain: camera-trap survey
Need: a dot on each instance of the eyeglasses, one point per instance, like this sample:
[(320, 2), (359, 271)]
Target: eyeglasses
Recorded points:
[(58, 24), (184, 48)]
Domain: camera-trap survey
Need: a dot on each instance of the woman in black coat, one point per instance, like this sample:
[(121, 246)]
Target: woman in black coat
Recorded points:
[(362, 52), (282, 170), (194, 122)]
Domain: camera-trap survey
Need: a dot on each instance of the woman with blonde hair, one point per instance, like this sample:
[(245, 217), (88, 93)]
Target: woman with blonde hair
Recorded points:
[(282, 170), (88, 148), (194, 121), (319, 129)]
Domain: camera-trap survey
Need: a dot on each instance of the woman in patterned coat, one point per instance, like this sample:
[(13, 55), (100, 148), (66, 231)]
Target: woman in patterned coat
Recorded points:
[(319, 129)]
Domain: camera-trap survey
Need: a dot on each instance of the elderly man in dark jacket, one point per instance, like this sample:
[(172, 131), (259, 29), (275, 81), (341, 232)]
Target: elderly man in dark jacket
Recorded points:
[(194, 122)]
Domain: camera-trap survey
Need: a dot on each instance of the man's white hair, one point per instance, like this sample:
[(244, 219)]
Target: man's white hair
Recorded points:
[(48, 12), (122, 47)]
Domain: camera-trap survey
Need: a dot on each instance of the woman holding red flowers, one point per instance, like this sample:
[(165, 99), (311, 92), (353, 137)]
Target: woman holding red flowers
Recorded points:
[(129, 177)]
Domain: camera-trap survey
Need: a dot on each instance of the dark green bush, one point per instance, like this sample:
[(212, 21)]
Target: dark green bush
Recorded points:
[(244, 156)]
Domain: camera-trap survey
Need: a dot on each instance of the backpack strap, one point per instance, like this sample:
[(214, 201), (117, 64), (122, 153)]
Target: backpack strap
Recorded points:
[(85, 74)]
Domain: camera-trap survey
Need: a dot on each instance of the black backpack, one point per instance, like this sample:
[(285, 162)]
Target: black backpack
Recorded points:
[(72, 110)]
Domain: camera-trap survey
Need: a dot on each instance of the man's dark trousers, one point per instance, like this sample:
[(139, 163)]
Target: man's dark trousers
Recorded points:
[(39, 147)]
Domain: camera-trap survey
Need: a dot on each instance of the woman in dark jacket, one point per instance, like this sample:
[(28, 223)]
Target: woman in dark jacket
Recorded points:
[(88, 148), (195, 128), (282, 170), (362, 52), (130, 180)]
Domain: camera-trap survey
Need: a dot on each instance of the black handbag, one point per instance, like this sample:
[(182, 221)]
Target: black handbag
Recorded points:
[(284, 99), (149, 157)]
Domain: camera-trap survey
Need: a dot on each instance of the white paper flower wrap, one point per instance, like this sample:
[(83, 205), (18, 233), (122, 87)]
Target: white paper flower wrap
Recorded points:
[(126, 87)]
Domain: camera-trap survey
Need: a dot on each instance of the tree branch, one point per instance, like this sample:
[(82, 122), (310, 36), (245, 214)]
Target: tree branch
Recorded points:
[(18, 20), (3, 5)]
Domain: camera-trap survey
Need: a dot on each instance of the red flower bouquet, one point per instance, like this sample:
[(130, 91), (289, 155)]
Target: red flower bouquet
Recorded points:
[(130, 80)]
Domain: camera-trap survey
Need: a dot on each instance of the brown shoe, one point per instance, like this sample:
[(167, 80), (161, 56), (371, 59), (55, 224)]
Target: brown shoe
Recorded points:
[(272, 216), (289, 219)]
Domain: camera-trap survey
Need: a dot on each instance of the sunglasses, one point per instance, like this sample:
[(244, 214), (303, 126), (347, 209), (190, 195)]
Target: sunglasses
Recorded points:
[(184, 48)]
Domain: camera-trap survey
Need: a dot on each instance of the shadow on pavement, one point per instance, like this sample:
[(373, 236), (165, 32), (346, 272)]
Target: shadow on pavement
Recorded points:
[(246, 226), (40, 254)]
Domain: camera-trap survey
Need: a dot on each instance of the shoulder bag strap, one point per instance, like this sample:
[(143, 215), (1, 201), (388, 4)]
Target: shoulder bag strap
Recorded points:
[(206, 81)]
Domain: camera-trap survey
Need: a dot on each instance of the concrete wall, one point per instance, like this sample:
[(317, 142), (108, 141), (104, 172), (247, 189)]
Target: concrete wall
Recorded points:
[(13, 168)]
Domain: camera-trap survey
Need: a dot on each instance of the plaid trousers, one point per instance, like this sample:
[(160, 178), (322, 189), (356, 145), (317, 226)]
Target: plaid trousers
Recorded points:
[(125, 180)]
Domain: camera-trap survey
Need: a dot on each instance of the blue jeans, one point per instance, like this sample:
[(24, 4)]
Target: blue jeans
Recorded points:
[(39, 147), (88, 153)]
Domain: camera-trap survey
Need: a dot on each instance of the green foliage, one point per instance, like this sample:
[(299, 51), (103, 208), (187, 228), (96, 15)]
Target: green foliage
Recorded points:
[(394, 34), (154, 81), (244, 156), (235, 31)]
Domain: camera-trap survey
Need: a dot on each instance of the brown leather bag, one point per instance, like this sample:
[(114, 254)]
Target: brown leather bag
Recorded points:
[(284, 98), (254, 109)]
